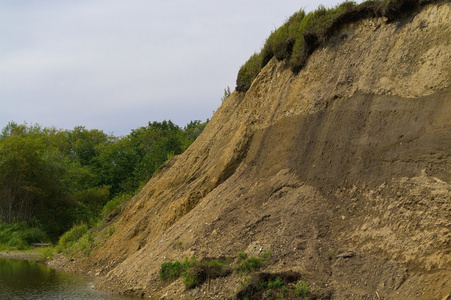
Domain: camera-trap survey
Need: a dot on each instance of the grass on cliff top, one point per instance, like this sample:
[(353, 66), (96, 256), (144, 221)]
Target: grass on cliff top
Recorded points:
[(302, 33)]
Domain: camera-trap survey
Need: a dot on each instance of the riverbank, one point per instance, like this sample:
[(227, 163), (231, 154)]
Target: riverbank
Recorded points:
[(21, 254)]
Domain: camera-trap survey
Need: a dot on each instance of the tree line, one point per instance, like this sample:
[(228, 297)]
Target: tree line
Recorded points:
[(52, 178)]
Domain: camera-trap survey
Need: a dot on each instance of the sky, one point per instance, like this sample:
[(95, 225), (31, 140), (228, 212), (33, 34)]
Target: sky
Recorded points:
[(115, 65)]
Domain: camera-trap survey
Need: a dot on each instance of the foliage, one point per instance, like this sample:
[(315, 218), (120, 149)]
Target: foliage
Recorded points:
[(191, 131), (284, 285), (273, 287), (172, 270), (46, 253), (79, 240), (227, 93), (153, 145), (69, 238), (83, 245), (194, 272), (301, 34), (90, 203), (301, 288), (31, 181), (51, 179), (114, 204), (280, 43), (241, 255), (248, 72), (20, 236), (252, 263), (111, 230), (275, 284)]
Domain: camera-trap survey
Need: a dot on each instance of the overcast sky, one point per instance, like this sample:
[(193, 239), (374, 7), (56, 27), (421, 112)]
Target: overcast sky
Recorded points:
[(115, 65)]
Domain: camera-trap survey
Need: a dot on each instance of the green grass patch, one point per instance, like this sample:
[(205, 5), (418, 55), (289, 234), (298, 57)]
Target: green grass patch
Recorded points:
[(113, 206), (252, 263), (68, 239), (47, 253), (171, 271), (284, 285), (301, 288), (194, 272)]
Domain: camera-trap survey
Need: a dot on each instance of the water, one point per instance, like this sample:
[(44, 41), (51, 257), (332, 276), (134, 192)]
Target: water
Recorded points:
[(22, 279)]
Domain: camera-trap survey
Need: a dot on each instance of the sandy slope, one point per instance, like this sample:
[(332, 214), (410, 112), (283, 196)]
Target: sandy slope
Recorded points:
[(353, 154)]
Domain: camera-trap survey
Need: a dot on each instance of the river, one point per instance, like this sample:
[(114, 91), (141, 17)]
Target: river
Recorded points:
[(23, 279)]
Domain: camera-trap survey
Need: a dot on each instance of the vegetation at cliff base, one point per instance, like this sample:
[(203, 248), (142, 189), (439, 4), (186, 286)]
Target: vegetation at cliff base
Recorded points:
[(52, 179), (302, 33), (252, 263), (194, 272)]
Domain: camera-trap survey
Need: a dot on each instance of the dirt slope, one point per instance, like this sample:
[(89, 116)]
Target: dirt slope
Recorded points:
[(351, 154)]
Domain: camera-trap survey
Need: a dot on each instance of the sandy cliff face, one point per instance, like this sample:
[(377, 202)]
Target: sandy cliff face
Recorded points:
[(351, 154)]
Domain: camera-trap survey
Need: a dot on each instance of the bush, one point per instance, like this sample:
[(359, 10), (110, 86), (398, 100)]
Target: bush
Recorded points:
[(301, 34), (248, 72), (190, 279), (301, 288), (84, 244), (34, 235), (114, 204), (193, 272), (46, 253), (227, 93), (242, 255), (69, 238), (17, 243), (278, 285), (171, 270), (250, 264), (20, 236), (253, 263), (275, 284)]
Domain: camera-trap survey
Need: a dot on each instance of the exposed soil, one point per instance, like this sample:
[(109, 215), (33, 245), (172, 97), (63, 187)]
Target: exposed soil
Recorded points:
[(343, 171)]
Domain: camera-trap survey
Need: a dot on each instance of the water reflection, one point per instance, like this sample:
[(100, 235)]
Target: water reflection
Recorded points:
[(22, 279)]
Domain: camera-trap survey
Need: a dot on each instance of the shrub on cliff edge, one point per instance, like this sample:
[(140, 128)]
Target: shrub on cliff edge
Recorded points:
[(302, 34)]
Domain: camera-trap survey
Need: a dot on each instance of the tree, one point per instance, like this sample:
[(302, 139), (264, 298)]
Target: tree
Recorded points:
[(115, 166), (154, 144), (85, 144), (55, 178), (191, 131), (31, 182)]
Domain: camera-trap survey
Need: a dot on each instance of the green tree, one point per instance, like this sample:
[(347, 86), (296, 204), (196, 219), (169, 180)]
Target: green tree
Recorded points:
[(53, 179), (86, 145), (191, 132), (115, 166), (154, 144), (32, 185)]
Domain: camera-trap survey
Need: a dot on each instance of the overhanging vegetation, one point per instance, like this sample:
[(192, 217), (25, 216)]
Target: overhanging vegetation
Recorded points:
[(302, 33)]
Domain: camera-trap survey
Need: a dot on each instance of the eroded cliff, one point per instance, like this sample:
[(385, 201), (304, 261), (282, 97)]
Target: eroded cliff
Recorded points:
[(352, 154)]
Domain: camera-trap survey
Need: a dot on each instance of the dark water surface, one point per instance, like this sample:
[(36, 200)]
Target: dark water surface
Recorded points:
[(22, 279)]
